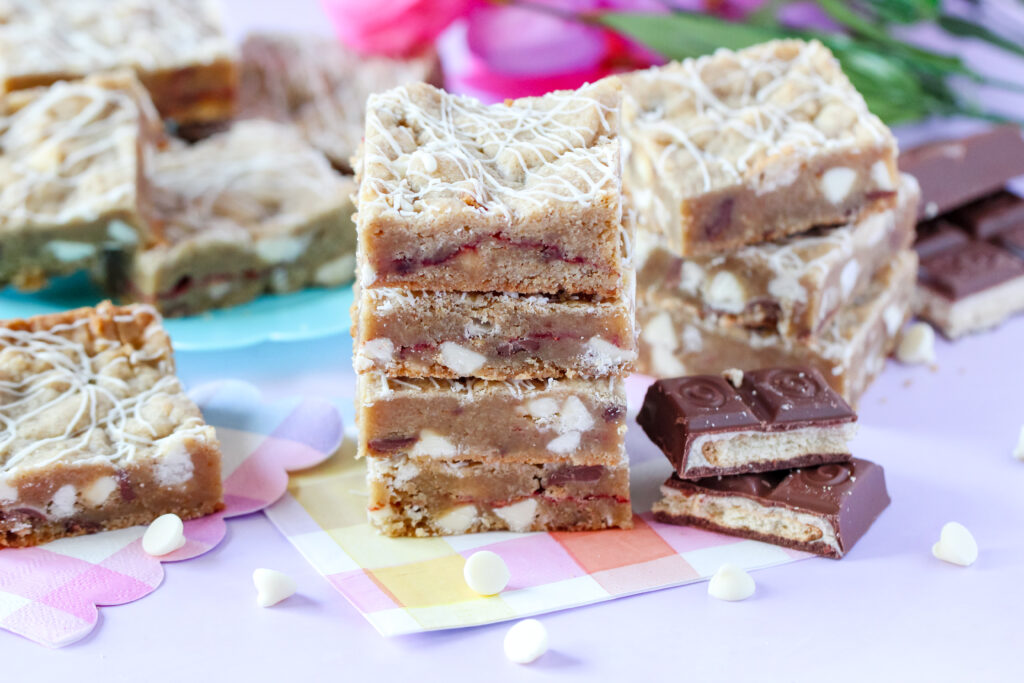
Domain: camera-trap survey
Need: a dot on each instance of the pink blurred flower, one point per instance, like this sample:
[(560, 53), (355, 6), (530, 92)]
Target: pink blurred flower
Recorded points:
[(508, 51), (392, 27)]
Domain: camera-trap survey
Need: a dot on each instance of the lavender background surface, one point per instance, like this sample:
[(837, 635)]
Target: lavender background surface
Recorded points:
[(888, 611)]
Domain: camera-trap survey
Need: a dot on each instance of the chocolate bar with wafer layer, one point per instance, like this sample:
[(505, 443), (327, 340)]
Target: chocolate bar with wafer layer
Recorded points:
[(756, 421), (823, 510)]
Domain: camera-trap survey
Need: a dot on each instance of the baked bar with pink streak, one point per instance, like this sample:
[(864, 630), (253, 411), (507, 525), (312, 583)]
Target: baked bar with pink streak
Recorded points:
[(72, 164), (522, 196), (794, 286), (737, 148), (97, 431), (320, 86), (246, 211), (494, 335)]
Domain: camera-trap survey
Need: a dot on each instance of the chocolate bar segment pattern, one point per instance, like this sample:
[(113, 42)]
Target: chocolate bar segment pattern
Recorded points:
[(776, 418), (823, 510), (954, 172)]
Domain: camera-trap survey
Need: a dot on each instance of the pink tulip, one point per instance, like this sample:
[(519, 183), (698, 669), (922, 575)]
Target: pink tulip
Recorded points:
[(392, 27)]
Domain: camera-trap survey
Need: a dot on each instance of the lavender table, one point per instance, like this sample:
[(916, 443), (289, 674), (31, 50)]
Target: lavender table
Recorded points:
[(889, 611)]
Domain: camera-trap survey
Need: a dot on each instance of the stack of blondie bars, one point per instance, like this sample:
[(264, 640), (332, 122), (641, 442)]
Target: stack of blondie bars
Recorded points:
[(495, 319), (774, 227)]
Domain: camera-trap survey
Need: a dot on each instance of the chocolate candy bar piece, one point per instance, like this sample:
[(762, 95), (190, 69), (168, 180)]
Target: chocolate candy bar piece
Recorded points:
[(823, 510), (937, 236), (971, 286), (776, 418), (991, 215), (1013, 240), (954, 172)]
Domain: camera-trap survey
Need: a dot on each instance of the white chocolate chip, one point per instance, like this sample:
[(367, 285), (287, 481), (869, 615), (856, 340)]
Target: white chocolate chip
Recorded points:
[(837, 182), (893, 318), (457, 520), (122, 233), (8, 494), (381, 349), (424, 160), (566, 443), (279, 279), (574, 416), (956, 545), (526, 641), (917, 345), (367, 275), (218, 290), (164, 535), (542, 408), (848, 277), (603, 354), (659, 332), (62, 505), (725, 293), (734, 376), (519, 516), (461, 360), (282, 249), (731, 583), (66, 251), (380, 515), (96, 493), (486, 573), (931, 210), (336, 271), (665, 364), (1018, 452), (174, 467), (693, 340), (691, 277), (272, 586), (432, 445), (881, 177)]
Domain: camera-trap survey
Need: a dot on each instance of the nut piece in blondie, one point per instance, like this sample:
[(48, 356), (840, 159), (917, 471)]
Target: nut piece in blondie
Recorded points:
[(98, 433), (736, 148), (410, 497), (793, 286), (522, 197), (71, 175), (494, 335), (176, 47), (250, 210), (321, 86), (578, 421), (849, 351)]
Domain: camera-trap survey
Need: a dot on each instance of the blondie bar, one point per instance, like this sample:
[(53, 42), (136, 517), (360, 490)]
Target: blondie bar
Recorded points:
[(410, 497), (319, 85), (574, 421), (97, 431), (736, 148), (176, 47), (72, 160), (849, 351), (250, 210), (516, 197), (494, 335), (793, 286)]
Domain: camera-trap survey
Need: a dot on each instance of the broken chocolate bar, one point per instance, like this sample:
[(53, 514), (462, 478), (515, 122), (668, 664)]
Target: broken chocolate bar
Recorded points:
[(991, 215), (775, 418), (954, 172), (822, 510)]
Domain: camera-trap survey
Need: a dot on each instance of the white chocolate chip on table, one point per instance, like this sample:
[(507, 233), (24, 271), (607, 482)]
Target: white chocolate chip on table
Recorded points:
[(486, 573), (526, 641), (272, 586), (917, 345), (956, 545), (164, 535), (1018, 452), (731, 583)]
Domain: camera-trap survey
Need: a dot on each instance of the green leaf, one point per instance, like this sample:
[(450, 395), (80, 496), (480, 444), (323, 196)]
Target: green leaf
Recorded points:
[(968, 29), (903, 11), (852, 21), (682, 34)]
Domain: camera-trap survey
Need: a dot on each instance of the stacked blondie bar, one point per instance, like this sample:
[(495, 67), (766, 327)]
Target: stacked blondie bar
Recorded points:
[(494, 322), (774, 228)]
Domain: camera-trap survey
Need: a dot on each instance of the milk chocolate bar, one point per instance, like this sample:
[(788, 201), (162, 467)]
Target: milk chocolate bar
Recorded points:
[(954, 172), (774, 419), (823, 510)]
